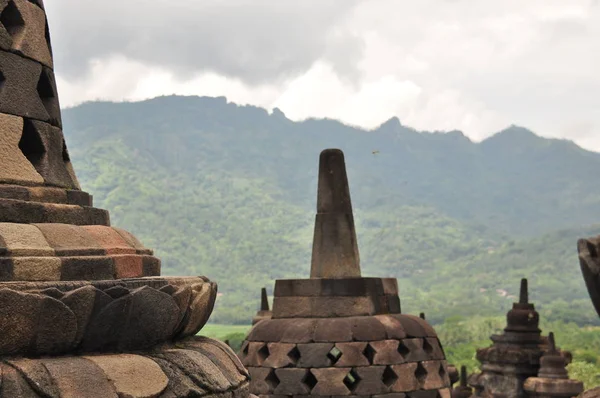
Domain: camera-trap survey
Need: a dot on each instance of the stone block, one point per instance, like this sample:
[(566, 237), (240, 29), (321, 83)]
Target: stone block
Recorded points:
[(322, 307), (367, 329), (50, 339), (31, 37), (81, 302), (14, 385), (127, 266), (445, 393), (14, 166), (370, 381), (20, 95), (269, 330), (17, 326), (6, 269), (24, 240), (281, 355), (255, 354), (352, 354), (199, 369), (80, 377), (180, 385), (79, 198), (433, 348), (70, 240), (36, 374), (333, 330), (36, 268), (13, 191), (109, 239), (202, 302), (412, 350), (386, 352), (16, 211), (264, 380), (407, 381), (330, 381), (413, 325), (292, 381), (133, 241), (315, 355), (132, 375), (220, 357), (47, 195), (433, 379), (91, 268), (150, 265), (302, 331)]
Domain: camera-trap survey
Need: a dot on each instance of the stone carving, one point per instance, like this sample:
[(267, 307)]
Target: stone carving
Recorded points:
[(514, 355), (462, 390), (70, 284), (338, 333)]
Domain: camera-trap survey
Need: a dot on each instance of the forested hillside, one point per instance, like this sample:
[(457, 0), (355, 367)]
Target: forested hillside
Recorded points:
[(229, 192)]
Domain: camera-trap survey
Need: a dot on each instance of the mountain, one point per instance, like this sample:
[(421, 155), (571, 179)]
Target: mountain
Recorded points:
[(229, 192)]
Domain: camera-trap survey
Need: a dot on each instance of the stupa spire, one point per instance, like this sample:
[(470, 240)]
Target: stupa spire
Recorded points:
[(335, 248), (524, 292), (264, 302)]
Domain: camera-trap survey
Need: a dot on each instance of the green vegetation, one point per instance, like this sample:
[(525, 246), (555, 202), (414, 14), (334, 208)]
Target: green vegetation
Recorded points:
[(229, 192)]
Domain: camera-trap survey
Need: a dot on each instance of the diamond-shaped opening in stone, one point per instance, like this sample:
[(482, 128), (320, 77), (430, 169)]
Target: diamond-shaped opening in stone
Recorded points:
[(2, 80), (420, 373), (294, 355), (403, 350), (442, 372), (46, 91), (263, 353), (427, 347), (245, 348), (389, 376), (369, 353), (310, 380), (37, 3), (12, 20), (272, 380), (31, 144), (65, 153), (334, 355), (351, 380)]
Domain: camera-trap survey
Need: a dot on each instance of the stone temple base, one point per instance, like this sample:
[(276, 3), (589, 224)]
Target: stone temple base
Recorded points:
[(193, 367)]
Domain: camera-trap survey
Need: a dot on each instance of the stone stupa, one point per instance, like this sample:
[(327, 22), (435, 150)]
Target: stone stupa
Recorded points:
[(337, 333), (514, 355), (84, 311)]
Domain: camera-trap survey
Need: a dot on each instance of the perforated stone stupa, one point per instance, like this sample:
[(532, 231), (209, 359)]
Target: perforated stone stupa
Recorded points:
[(337, 333), (83, 309)]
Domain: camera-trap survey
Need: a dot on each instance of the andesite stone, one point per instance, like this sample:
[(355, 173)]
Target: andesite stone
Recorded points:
[(338, 333), (84, 311)]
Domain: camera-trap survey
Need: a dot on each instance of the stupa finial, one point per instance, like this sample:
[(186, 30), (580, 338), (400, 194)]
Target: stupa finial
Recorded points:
[(264, 302), (335, 248), (524, 292)]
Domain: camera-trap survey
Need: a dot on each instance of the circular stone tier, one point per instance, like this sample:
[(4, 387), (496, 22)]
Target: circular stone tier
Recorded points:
[(54, 252), (194, 367), (358, 356), (53, 318)]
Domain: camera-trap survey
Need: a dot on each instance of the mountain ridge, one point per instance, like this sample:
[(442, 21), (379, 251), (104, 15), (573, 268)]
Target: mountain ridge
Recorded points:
[(229, 192)]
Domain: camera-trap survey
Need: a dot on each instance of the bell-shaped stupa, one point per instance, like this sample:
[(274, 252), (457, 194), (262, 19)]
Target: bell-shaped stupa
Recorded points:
[(84, 311), (337, 333)]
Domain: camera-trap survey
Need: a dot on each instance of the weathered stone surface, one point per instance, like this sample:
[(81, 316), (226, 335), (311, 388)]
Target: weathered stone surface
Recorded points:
[(367, 329), (333, 330), (109, 239), (24, 240), (201, 305), (132, 376), (79, 377), (291, 381), (330, 381), (352, 354), (49, 338), (17, 326), (264, 380), (281, 355), (199, 369), (14, 166), (13, 385), (335, 248), (81, 302), (302, 331), (270, 330), (36, 268), (70, 240), (127, 266), (133, 241), (315, 355), (36, 374), (89, 268), (31, 37), (407, 381), (386, 352), (322, 307)]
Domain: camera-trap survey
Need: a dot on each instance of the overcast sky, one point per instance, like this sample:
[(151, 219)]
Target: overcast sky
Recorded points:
[(476, 66)]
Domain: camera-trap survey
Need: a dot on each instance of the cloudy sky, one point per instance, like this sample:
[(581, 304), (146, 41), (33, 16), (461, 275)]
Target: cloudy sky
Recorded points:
[(476, 66)]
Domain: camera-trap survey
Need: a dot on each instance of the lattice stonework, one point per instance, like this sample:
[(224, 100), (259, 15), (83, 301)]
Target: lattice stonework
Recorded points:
[(389, 361)]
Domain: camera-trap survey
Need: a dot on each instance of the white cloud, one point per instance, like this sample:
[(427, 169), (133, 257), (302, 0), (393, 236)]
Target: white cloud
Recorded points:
[(473, 66)]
